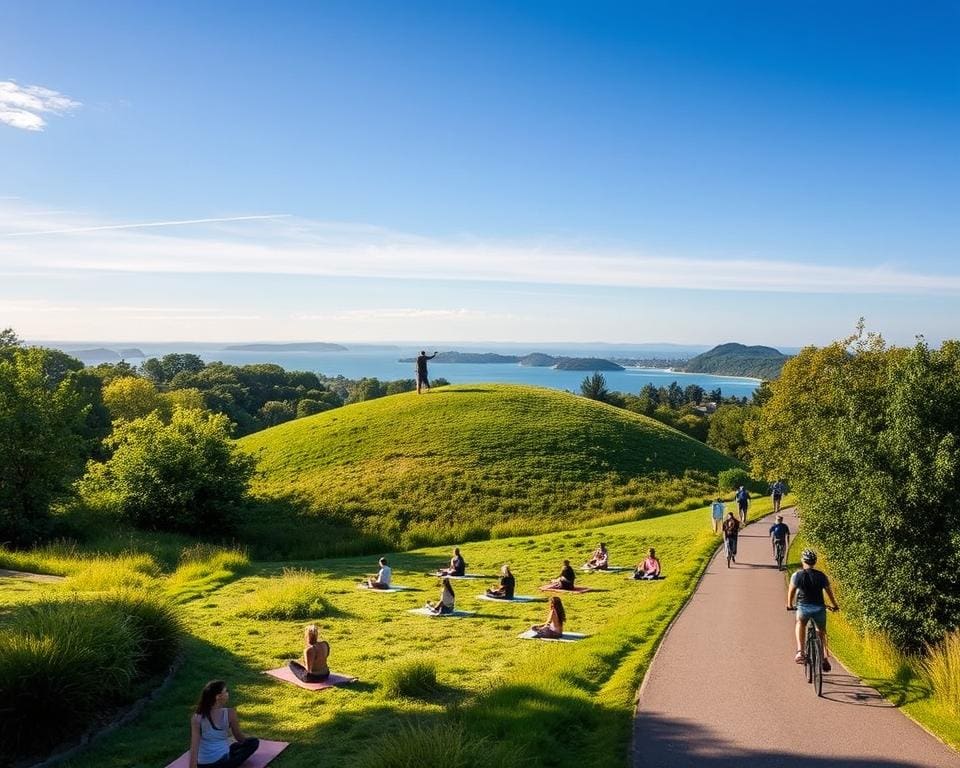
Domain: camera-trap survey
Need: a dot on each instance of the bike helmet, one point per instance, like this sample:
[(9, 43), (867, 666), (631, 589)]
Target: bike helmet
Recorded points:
[(808, 556)]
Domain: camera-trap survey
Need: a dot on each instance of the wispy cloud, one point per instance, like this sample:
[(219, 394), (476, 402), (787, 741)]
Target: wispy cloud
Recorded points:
[(23, 106), (355, 315), (286, 245)]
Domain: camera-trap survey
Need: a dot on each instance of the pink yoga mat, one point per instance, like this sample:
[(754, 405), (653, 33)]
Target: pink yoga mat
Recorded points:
[(578, 590), (284, 673), (264, 754)]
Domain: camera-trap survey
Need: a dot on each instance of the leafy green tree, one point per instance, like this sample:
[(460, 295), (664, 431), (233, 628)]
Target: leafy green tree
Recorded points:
[(108, 372), (167, 367), (595, 387), (693, 393), (726, 432), (44, 440), (402, 385), (276, 412), (366, 389), (868, 437), (129, 397), (309, 407), (8, 338), (183, 476)]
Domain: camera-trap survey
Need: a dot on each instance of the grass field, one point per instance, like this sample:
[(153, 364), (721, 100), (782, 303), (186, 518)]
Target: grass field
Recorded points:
[(466, 463), (438, 691)]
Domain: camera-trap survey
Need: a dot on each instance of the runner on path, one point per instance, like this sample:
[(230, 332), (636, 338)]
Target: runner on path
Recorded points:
[(751, 705)]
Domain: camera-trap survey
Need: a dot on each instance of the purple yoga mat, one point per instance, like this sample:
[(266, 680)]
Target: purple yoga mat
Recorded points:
[(284, 673), (264, 754)]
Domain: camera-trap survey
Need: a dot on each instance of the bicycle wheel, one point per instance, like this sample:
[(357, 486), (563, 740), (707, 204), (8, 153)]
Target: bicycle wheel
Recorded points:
[(817, 664), (808, 652)]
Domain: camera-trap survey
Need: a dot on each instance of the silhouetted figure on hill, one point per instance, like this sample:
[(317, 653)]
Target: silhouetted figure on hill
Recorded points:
[(422, 378)]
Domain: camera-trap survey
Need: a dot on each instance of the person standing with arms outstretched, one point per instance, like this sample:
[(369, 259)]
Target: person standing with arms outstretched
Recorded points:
[(422, 379)]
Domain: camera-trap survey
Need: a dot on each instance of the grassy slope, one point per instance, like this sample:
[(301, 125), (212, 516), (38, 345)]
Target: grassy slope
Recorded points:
[(473, 461), (520, 693)]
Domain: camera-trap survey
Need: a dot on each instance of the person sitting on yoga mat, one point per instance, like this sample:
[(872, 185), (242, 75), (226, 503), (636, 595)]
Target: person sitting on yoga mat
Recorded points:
[(649, 568), (507, 585), (458, 566), (314, 668), (600, 559), (382, 579), (445, 604), (554, 625), (565, 579), (210, 729)]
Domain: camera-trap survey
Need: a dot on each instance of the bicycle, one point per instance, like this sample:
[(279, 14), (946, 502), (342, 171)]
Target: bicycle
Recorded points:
[(779, 550), (813, 656)]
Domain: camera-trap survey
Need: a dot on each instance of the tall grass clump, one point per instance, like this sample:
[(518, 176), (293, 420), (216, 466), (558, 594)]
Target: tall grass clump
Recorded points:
[(204, 567), (444, 745), (297, 594), (411, 680), (58, 559), (100, 573), (942, 667), (64, 666)]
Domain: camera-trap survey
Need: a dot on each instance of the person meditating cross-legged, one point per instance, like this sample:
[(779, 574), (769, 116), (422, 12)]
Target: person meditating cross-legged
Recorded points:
[(383, 577), (554, 624), (507, 585), (315, 654), (458, 566), (210, 728), (565, 579), (600, 559), (649, 568), (445, 604)]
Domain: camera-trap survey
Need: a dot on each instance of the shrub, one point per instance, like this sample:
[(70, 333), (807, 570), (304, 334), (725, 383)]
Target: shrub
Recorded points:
[(942, 667), (733, 478), (411, 680), (86, 653), (184, 476), (297, 594), (438, 746), (98, 573), (203, 567)]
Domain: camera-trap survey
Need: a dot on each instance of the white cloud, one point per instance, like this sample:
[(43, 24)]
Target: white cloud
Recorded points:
[(356, 315), (23, 106), (267, 244)]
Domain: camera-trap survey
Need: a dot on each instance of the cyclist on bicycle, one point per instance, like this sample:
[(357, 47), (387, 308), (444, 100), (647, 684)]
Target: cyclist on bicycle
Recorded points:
[(779, 535), (807, 586), (731, 529)]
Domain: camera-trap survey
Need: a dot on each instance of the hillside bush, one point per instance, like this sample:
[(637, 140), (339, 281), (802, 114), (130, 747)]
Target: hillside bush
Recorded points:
[(732, 479), (444, 745), (66, 665), (297, 594), (183, 476), (869, 437), (101, 573)]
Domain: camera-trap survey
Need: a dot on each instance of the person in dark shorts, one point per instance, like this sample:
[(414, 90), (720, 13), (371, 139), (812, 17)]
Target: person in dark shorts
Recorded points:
[(731, 530), (422, 379), (777, 492), (806, 588), (743, 502), (507, 585), (779, 536), (566, 578)]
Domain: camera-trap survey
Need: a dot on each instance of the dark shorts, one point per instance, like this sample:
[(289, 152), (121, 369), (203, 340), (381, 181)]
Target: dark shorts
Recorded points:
[(777, 496), (742, 505)]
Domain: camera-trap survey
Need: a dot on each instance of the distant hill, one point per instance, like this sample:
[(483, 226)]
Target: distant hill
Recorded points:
[(131, 352), (739, 360), (586, 364), (463, 462), (95, 356), (305, 346)]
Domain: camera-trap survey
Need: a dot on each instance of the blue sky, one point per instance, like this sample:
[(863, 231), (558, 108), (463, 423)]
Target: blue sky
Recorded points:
[(452, 171)]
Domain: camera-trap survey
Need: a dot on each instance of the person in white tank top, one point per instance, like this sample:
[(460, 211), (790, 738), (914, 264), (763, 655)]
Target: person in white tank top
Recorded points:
[(210, 729)]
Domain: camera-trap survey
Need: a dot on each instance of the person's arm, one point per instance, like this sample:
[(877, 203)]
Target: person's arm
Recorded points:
[(833, 600), (235, 725), (430, 357), (656, 567), (194, 741)]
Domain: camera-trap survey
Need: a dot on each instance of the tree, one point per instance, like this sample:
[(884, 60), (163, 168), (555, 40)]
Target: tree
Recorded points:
[(276, 412), (8, 338), (594, 387), (366, 389), (309, 407), (128, 398), (693, 393), (167, 367), (727, 429), (43, 441), (183, 476)]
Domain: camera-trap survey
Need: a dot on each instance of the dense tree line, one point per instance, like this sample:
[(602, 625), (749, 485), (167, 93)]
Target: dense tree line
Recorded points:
[(869, 436)]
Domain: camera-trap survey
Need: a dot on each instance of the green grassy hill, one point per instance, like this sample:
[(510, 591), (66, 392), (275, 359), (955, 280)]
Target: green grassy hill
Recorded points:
[(466, 462)]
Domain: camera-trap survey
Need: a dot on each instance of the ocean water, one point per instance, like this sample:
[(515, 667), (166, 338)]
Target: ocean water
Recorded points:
[(385, 365)]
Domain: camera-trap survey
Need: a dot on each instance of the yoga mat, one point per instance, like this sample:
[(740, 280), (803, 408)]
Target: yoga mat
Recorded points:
[(566, 637), (284, 673), (396, 588), (427, 612), (611, 569), (514, 599), (574, 591), (264, 754), (467, 576)]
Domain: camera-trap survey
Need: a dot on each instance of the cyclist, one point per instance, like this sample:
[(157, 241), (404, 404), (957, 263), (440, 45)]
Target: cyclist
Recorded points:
[(807, 587), (731, 529), (779, 536), (743, 501), (777, 491)]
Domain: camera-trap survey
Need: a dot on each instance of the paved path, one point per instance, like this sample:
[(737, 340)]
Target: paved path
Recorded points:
[(723, 691), (24, 576)]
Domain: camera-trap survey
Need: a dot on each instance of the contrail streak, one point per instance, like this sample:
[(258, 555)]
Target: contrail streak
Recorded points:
[(146, 224)]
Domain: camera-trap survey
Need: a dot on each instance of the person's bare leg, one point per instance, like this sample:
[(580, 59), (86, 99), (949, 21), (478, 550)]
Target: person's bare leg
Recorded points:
[(801, 627)]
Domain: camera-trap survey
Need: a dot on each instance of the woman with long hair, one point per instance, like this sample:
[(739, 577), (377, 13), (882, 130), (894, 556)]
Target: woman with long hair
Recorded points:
[(507, 585), (315, 654), (553, 628), (447, 597), (210, 728)]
